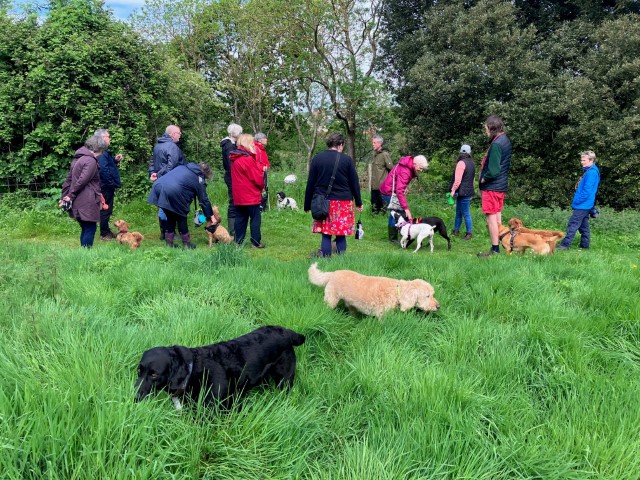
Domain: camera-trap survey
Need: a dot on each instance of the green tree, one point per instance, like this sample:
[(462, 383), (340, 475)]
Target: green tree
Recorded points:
[(77, 70), (568, 85)]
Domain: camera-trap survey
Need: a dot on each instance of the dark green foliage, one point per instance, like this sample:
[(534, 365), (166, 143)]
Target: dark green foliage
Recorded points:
[(563, 75), (77, 70)]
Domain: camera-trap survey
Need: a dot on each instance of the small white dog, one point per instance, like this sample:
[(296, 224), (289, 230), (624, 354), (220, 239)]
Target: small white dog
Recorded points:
[(409, 231), (286, 202)]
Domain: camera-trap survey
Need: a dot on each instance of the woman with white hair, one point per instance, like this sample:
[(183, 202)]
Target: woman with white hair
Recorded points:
[(397, 182), (228, 144)]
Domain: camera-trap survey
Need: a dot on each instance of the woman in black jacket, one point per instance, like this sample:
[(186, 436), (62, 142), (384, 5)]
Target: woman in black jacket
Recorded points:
[(345, 188)]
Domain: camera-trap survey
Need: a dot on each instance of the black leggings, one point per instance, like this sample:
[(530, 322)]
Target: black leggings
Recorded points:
[(173, 219)]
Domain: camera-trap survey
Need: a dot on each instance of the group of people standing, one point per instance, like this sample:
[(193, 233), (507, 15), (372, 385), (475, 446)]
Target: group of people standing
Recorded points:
[(177, 184), (492, 182), (89, 189)]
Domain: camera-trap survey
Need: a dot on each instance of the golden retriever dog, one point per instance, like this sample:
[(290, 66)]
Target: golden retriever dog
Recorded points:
[(124, 236), (518, 242), (550, 236), (373, 295), (217, 233)]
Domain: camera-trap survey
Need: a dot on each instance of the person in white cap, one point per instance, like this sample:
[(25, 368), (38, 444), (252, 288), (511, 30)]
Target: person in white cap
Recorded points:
[(461, 188)]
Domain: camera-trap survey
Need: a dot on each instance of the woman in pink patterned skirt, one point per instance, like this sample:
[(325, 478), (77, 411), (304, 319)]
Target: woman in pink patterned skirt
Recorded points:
[(344, 190)]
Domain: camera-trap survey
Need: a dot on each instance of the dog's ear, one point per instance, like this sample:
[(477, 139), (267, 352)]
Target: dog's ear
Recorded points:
[(181, 368), (408, 295)]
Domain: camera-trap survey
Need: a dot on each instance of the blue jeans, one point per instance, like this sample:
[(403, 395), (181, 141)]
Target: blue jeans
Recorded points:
[(463, 209), (87, 233), (579, 222), (387, 199), (243, 214)]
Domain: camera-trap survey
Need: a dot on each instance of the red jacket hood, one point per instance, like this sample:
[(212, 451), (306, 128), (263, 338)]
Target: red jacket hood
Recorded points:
[(240, 152)]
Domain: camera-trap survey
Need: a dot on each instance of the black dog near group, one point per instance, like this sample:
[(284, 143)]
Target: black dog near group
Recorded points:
[(222, 372)]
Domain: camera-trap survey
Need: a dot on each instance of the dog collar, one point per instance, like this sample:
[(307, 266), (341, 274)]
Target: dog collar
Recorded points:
[(212, 228), (183, 386), (513, 234)]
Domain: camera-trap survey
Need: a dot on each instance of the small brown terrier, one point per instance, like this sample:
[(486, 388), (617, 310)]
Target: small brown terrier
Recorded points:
[(123, 236), (217, 233)]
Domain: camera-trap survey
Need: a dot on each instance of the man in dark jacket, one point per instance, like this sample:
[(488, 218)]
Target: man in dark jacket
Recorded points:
[(494, 177), (175, 191), (109, 181), (166, 153), (380, 168), (166, 156), (228, 144)]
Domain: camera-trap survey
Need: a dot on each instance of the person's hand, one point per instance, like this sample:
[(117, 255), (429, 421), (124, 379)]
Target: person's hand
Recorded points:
[(118, 157), (153, 177), (409, 216), (453, 194), (359, 208), (482, 180), (213, 220), (264, 169)]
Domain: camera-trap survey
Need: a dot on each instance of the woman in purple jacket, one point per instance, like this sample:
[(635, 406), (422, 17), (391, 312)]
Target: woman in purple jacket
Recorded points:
[(406, 170), (82, 189)]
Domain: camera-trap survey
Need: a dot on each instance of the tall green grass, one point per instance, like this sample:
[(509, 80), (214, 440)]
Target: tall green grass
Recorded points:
[(531, 369)]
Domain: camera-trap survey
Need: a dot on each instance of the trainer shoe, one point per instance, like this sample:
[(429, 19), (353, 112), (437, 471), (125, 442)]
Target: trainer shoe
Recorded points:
[(468, 236), (260, 245), (562, 247), (488, 253), (107, 237)]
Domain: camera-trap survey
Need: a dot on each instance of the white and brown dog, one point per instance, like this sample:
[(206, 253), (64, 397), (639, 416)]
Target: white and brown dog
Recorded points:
[(286, 202), (410, 231)]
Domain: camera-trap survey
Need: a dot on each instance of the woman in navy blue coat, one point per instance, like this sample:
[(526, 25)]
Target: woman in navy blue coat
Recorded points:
[(174, 192)]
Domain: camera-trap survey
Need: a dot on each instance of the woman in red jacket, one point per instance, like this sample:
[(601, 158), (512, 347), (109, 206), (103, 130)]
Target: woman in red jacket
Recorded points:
[(247, 183)]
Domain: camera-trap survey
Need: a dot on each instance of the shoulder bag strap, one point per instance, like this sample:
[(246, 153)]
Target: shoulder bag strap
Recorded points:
[(393, 185), (333, 175)]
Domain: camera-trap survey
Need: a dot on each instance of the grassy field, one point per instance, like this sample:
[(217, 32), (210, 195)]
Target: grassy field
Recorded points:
[(531, 368)]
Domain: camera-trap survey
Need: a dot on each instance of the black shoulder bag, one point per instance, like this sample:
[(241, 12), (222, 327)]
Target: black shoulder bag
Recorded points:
[(320, 202)]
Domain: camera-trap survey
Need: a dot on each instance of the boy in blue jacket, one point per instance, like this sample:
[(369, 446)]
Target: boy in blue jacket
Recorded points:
[(583, 201)]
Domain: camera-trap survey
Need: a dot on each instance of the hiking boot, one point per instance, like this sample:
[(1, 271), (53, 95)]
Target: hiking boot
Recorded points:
[(488, 253), (455, 233), (169, 238), (186, 241), (468, 236), (108, 236), (162, 236), (393, 235)]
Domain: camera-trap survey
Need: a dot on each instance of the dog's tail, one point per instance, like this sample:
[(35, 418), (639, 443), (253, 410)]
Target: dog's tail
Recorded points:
[(317, 277)]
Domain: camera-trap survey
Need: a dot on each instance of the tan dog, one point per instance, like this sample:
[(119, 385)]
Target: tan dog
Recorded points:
[(550, 236), (513, 241), (373, 295), (217, 233), (123, 236)]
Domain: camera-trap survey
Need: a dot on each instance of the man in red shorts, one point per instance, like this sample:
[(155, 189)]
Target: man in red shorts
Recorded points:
[(494, 176)]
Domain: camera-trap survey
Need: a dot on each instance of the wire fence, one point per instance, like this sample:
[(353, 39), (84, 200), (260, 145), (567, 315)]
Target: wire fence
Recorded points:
[(38, 188)]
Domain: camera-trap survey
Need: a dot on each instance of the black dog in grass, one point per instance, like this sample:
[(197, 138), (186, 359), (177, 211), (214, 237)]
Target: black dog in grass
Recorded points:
[(223, 371), (438, 225)]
